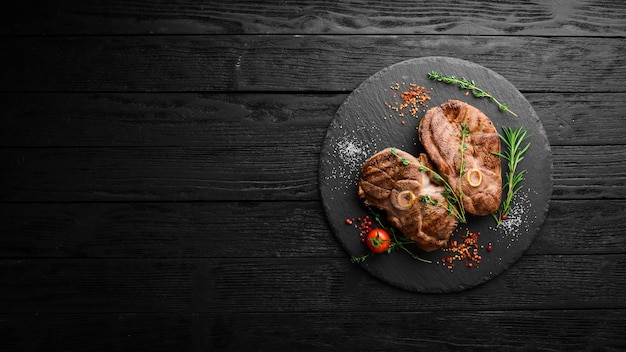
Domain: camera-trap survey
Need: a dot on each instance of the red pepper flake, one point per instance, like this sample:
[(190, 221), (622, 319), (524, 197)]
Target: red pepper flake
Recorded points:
[(466, 250), (412, 99)]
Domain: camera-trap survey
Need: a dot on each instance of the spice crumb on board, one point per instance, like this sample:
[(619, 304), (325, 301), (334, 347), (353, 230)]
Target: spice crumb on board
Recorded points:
[(412, 99), (463, 248)]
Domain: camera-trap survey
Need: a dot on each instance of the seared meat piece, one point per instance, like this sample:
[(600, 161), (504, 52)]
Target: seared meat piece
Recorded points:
[(391, 181), (440, 132)]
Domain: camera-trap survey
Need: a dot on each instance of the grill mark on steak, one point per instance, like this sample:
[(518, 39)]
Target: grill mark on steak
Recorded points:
[(388, 184), (440, 134)]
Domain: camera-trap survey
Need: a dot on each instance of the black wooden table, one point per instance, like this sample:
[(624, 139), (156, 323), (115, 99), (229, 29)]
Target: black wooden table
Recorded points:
[(160, 176)]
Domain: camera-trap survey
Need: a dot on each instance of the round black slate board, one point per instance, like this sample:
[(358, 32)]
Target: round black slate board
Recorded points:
[(364, 125)]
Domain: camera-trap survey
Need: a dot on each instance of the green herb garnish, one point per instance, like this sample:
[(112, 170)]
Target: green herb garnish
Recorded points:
[(463, 149), (454, 198), (428, 200), (513, 139), (360, 258), (465, 83), (399, 242)]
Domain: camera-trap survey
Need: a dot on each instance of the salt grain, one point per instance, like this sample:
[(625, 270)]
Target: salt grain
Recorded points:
[(351, 154), (351, 151), (517, 217)]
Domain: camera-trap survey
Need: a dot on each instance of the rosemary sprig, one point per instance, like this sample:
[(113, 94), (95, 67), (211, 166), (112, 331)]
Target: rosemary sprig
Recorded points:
[(399, 242), (513, 138), (465, 83)]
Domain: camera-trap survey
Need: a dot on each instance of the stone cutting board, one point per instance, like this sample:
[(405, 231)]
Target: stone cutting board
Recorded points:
[(367, 123)]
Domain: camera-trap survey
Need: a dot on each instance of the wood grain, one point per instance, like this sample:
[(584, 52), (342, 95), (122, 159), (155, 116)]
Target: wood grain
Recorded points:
[(249, 230), (159, 167), (140, 230), (441, 331), (103, 332), (245, 119), (434, 330), (172, 173), (270, 170), (164, 119), (570, 18), (294, 63), (116, 285)]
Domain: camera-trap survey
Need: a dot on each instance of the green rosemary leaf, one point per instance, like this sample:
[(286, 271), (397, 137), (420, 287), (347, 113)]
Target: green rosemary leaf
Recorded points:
[(524, 149), (500, 155)]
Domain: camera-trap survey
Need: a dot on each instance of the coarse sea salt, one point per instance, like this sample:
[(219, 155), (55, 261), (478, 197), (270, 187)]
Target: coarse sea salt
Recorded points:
[(351, 153), (517, 222)]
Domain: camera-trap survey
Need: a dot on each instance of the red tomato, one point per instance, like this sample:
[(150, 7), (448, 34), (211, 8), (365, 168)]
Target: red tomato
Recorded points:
[(378, 240)]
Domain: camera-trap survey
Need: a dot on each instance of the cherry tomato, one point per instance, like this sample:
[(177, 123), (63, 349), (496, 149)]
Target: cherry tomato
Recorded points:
[(378, 240)]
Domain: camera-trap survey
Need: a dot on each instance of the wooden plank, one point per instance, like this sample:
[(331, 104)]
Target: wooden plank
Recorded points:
[(164, 119), (582, 227), (574, 119), (427, 331), (103, 332), (294, 63), (227, 230), (304, 331), (577, 176), (579, 18), (189, 119), (274, 170), (294, 285), (284, 169), (157, 230)]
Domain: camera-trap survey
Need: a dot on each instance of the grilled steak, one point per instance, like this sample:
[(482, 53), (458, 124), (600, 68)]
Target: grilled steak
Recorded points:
[(440, 132), (391, 181)]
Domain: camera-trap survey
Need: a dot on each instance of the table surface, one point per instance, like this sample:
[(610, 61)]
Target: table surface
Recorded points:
[(160, 176)]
